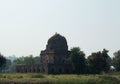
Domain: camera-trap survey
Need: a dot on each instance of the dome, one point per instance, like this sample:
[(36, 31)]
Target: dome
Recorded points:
[(58, 44)]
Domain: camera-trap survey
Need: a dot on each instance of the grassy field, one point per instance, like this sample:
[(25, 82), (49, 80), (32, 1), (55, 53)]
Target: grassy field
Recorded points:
[(58, 79)]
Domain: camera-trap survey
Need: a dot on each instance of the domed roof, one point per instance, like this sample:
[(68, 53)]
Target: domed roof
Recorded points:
[(57, 43)]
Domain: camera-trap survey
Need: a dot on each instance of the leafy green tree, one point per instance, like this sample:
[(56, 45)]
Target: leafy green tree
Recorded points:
[(2, 60), (29, 60), (116, 60), (19, 60), (107, 60), (78, 61), (25, 60), (37, 60), (99, 62), (6, 68)]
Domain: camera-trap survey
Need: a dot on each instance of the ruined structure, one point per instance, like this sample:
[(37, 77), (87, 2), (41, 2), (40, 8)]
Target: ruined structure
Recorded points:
[(54, 59)]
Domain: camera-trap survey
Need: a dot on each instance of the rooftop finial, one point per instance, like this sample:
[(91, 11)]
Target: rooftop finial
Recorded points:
[(56, 33)]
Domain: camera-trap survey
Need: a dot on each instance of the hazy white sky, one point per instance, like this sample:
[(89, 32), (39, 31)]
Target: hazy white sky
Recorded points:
[(26, 25)]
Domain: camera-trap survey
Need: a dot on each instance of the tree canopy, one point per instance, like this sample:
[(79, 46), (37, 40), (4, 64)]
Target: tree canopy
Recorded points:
[(116, 60), (2, 60), (99, 62), (77, 58), (27, 60)]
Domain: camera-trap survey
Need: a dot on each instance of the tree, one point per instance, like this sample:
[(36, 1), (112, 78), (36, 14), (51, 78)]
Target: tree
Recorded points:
[(77, 58), (116, 60), (27, 60), (6, 68), (107, 60), (24, 60), (98, 62), (2, 60)]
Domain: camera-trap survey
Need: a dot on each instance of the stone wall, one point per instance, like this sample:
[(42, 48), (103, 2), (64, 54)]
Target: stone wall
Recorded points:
[(60, 69)]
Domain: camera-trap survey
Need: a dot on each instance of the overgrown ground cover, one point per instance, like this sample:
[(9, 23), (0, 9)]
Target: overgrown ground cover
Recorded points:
[(58, 79)]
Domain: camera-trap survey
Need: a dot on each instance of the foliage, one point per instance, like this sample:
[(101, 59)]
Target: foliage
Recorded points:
[(116, 60), (99, 62), (6, 68), (77, 58), (27, 60), (107, 60), (2, 60)]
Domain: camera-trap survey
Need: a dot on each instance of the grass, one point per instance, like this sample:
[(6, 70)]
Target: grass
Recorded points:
[(59, 79)]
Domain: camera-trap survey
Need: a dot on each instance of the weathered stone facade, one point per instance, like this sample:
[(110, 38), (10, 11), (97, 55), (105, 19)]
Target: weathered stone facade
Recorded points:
[(54, 59)]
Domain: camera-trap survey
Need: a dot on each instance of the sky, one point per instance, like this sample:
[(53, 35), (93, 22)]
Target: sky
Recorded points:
[(26, 25)]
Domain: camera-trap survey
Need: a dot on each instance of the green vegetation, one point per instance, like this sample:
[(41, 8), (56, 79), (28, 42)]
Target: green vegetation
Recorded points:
[(99, 62), (2, 60), (59, 79), (27, 60), (116, 60), (77, 58), (96, 63)]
